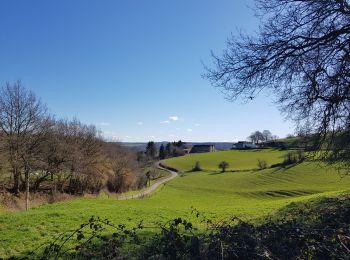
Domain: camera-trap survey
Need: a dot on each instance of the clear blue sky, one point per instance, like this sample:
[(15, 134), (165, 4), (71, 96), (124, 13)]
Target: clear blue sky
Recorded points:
[(133, 68)]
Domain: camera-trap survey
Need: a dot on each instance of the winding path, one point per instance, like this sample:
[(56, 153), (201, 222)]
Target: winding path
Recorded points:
[(151, 188)]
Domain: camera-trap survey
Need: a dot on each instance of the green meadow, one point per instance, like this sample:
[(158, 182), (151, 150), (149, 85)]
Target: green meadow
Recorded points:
[(250, 195), (237, 159)]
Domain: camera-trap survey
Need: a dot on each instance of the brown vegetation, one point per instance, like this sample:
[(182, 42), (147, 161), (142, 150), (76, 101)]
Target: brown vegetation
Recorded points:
[(42, 155)]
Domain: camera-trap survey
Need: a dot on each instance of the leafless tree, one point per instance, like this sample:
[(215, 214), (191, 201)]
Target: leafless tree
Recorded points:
[(124, 172), (70, 156), (256, 137), (302, 55), (56, 154), (267, 135), (24, 123), (86, 158)]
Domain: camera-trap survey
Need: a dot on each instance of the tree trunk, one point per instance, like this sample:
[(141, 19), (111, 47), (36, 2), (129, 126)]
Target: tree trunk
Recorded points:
[(27, 189), (15, 180), (54, 185)]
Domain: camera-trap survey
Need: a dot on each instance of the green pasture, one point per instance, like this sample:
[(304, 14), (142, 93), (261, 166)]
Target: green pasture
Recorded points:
[(246, 194), (237, 159)]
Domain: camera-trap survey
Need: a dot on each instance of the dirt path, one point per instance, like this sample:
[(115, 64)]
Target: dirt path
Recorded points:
[(153, 187)]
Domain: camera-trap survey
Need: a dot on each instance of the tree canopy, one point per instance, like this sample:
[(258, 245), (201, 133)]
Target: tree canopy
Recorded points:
[(301, 54)]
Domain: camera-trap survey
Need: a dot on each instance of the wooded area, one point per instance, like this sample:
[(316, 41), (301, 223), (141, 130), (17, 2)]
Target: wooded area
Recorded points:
[(39, 153)]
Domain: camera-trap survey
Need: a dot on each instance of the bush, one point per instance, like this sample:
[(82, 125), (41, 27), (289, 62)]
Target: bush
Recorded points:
[(300, 155), (223, 166), (262, 164), (114, 183), (289, 158), (142, 182), (197, 167), (294, 157)]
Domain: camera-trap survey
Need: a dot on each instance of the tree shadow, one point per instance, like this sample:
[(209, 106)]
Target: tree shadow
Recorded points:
[(283, 167), (217, 173)]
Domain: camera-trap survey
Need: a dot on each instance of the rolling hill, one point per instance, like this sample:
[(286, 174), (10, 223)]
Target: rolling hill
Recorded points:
[(248, 194)]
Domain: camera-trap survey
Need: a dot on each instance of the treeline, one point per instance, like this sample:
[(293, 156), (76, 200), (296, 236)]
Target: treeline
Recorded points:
[(169, 150), (41, 153), (264, 136)]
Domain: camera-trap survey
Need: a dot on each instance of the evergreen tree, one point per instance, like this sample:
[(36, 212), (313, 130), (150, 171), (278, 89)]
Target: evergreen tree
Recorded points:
[(179, 143), (162, 154), (151, 150), (169, 150)]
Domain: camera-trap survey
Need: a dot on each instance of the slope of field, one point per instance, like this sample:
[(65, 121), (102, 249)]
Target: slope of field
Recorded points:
[(249, 195), (237, 159)]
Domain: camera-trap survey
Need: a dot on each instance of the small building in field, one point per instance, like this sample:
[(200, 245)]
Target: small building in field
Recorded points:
[(244, 145), (203, 148)]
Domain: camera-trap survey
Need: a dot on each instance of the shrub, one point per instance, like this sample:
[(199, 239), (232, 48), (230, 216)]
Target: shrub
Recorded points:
[(223, 166), (294, 157), (262, 164), (300, 155), (289, 158), (197, 167), (114, 183)]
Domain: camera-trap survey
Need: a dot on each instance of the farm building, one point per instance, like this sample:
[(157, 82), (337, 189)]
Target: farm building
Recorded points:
[(203, 148), (244, 145)]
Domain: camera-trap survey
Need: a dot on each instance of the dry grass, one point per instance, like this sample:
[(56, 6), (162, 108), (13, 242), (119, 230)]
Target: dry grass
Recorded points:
[(12, 203)]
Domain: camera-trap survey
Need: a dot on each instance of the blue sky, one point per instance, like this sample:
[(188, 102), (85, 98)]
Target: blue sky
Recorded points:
[(131, 67)]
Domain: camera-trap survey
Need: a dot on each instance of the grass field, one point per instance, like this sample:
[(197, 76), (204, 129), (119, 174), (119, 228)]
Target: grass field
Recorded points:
[(237, 159), (248, 194)]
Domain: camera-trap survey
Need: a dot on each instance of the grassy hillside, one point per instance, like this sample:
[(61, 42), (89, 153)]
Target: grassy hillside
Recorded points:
[(238, 159), (249, 195)]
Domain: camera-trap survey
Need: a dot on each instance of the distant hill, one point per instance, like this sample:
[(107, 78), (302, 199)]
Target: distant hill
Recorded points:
[(286, 143)]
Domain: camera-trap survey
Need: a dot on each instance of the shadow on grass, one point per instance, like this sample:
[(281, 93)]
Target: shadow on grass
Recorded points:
[(277, 169), (283, 168), (203, 170), (233, 171), (217, 173)]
